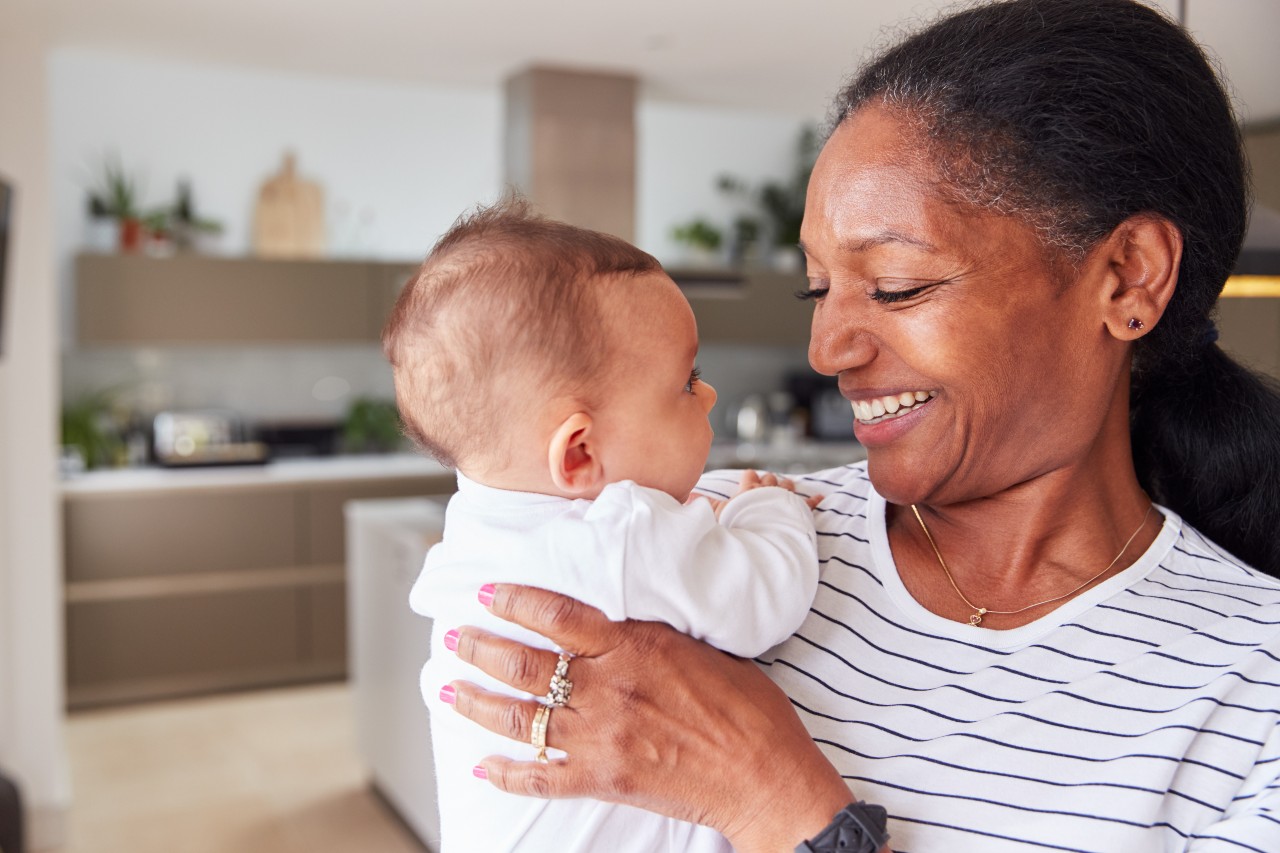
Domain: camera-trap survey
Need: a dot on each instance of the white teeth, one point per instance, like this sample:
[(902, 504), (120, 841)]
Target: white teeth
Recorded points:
[(894, 405)]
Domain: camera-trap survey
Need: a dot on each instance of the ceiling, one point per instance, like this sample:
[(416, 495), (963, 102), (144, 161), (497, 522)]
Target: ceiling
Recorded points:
[(741, 53)]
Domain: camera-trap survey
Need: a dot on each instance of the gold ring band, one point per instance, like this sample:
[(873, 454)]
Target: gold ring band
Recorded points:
[(538, 734)]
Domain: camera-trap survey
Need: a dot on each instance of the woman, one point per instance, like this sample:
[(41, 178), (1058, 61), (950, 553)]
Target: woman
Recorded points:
[(1015, 235)]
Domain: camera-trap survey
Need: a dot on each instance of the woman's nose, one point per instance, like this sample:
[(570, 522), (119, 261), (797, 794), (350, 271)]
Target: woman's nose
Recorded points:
[(838, 339)]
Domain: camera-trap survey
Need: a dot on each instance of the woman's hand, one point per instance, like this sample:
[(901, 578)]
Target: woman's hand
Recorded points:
[(656, 720)]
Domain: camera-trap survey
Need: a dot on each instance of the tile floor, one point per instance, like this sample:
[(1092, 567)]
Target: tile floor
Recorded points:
[(263, 772)]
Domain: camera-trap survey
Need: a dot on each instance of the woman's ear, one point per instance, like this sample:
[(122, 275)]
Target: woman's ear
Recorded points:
[(1143, 256), (573, 459)]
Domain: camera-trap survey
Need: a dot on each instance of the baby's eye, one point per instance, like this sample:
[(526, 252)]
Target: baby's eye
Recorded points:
[(693, 380)]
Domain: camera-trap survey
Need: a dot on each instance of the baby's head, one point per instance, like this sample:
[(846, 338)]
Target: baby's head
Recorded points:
[(537, 356)]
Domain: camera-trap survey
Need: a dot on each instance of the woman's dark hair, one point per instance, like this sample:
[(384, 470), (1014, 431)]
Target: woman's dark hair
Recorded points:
[(1075, 115)]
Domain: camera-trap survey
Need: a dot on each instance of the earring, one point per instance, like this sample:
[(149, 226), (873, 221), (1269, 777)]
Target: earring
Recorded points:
[(1136, 325)]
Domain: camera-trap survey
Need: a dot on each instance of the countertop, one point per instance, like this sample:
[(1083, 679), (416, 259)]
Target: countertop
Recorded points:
[(781, 458), (284, 472)]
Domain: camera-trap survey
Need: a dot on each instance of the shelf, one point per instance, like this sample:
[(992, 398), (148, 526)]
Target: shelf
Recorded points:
[(202, 299)]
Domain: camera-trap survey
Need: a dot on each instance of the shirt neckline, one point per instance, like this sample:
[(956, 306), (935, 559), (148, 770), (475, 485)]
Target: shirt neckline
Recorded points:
[(887, 570)]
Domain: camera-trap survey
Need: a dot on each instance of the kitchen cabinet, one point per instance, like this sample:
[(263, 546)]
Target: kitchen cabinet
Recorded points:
[(189, 585), (122, 299), (757, 307), (200, 299)]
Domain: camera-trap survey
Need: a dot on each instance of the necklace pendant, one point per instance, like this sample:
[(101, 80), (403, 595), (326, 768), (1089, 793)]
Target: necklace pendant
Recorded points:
[(976, 619)]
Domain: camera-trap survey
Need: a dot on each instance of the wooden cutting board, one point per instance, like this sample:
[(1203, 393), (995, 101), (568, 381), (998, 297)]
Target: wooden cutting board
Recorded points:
[(288, 220)]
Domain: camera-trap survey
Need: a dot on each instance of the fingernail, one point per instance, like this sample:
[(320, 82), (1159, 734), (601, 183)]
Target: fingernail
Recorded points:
[(451, 640), (486, 594), (448, 695), (479, 772)]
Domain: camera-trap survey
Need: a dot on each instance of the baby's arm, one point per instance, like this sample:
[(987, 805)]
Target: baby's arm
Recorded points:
[(743, 581)]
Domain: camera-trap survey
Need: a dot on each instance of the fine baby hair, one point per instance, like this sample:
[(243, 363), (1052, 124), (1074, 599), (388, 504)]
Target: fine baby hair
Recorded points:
[(507, 301)]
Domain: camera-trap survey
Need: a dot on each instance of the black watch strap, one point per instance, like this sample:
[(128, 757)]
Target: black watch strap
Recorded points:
[(857, 828)]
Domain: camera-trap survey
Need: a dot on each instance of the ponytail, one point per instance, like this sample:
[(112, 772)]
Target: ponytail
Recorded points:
[(1206, 444)]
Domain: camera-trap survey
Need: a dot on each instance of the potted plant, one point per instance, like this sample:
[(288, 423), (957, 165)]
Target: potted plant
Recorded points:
[(781, 203), (702, 240), (372, 426), (116, 197)]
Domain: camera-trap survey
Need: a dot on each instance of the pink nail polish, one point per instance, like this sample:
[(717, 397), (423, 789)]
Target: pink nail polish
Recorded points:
[(451, 640), (486, 594), (479, 772), (448, 695)]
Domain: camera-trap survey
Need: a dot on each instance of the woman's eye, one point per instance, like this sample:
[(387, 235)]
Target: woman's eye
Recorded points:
[(693, 380), (816, 290), (888, 297)]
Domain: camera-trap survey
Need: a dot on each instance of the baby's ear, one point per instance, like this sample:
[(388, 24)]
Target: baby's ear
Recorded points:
[(572, 457)]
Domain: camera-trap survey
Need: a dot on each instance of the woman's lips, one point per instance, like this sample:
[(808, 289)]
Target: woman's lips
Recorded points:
[(880, 430)]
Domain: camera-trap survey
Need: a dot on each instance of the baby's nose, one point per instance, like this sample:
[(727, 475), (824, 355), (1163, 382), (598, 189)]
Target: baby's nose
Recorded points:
[(708, 395)]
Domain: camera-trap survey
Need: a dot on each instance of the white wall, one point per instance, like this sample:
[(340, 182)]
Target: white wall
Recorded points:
[(412, 157), (31, 693), (683, 149)]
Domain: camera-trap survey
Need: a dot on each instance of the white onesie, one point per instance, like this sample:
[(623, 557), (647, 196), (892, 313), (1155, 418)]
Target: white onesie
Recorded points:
[(743, 583)]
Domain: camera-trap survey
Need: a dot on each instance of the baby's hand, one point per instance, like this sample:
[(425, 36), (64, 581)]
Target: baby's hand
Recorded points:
[(754, 480), (717, 505)]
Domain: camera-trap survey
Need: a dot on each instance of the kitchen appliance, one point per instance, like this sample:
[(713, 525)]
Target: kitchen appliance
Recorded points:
[(200, 438)]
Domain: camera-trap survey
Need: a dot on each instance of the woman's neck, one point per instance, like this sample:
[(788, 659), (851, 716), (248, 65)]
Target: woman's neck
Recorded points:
[(1045, 539)]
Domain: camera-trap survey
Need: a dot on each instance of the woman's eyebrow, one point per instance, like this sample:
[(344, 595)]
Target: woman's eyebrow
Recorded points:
[(886, 237), (879, 239)]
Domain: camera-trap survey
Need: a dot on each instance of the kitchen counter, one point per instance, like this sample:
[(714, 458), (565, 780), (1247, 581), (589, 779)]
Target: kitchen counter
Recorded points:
[(284, 473), (783, 459)]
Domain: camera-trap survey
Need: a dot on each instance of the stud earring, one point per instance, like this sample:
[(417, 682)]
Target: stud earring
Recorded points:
[(1136, 325)]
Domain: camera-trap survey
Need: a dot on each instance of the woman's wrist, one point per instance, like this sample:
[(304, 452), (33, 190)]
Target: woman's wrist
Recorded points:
[(794, 809)]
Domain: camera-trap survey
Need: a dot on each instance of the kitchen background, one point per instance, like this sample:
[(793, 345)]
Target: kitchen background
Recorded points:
[(402, 123)]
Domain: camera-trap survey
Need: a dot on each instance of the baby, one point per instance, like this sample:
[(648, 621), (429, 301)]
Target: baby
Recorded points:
[(553, 367)]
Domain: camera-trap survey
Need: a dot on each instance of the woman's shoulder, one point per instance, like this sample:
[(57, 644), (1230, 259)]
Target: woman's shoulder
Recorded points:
[(850, 481), (1195, 557)]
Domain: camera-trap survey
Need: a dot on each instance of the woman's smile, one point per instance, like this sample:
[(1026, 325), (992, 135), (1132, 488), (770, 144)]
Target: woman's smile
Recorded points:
[(889, 406)]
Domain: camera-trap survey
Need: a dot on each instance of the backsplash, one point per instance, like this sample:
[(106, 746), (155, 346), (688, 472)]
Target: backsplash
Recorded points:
[(304, 383)]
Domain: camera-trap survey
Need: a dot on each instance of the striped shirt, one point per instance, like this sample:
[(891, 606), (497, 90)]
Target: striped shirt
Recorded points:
[(1139, 716)]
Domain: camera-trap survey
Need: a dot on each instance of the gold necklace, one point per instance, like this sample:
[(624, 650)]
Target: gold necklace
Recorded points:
[(979, 612)]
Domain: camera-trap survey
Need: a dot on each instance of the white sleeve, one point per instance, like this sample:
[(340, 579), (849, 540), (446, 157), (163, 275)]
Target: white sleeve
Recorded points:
[(743, 584)]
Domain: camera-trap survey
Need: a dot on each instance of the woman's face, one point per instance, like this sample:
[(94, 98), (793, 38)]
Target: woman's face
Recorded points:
[(973, 362)]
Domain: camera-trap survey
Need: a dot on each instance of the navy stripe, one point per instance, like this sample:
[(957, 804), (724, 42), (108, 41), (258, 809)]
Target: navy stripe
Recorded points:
[(1124, 637), (1235, 843), (843, 534), (984, 738), (862, 569), (838, 512), (1132, 591), (1198, 592), (1011, 807), (987, 834), (1150, 616), (969, 768)]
